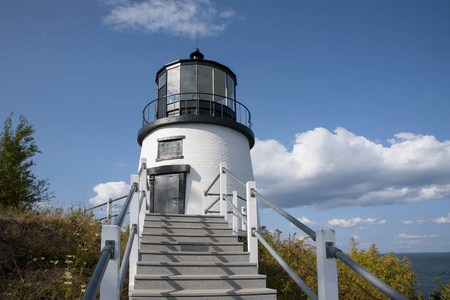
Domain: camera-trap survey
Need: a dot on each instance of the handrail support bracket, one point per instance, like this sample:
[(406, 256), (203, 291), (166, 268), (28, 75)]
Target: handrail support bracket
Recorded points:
[(110, 245), (330, 249)]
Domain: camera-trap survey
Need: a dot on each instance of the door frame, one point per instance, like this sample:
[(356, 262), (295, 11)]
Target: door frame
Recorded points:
[(182, 170)]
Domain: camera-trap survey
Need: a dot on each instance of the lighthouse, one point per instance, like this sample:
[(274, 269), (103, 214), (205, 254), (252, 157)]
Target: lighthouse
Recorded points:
[(194, 124)]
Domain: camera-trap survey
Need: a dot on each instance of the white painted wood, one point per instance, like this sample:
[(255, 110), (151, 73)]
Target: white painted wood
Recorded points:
[(143, 187), (223, 191), (134, 219), (252, 222), (326, 267), (235, 215), (244, 213), (109, 287)]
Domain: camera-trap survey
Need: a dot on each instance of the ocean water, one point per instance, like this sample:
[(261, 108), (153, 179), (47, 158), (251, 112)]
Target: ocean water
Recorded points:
[(429, 266)]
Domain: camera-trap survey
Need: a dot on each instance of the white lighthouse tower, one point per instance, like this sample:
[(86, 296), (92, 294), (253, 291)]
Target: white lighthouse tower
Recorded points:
[(195, 124)]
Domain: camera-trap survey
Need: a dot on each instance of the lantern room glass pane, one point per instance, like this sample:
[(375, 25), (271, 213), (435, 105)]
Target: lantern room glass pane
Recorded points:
[(219, 84), (230, 93), (204, 82), (173, 84), (162, 80), (188, 81)]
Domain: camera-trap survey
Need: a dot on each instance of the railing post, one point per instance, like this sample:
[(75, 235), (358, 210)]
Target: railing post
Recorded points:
[(134, 219), (109, 287), (223, 191), (108, 211), (143, 187), (326, 266), (204, 206), (235, 215), (244, 213), (252, 222)]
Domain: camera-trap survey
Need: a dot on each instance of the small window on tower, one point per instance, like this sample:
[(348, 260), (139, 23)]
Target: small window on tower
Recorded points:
[(170, 148)]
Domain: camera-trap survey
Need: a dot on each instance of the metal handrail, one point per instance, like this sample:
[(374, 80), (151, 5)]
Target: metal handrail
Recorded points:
[(236, 107), (285, 266), (212, 204), (225, 170), (143, 167), (287, 216), (126, 256), (97, 276), (337, 253), (100, 205), (124, 210), (331, 250), (108, 251), (364, 273), (243, 218), (212, 184), (111, 216)]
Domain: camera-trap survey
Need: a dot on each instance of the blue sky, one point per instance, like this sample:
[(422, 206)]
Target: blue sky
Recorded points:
[(349, 99)]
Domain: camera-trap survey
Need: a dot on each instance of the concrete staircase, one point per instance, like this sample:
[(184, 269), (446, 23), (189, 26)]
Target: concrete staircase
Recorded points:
[(194, 257)]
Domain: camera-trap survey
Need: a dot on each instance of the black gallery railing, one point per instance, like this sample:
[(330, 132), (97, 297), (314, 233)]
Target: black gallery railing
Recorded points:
[(204, 104)]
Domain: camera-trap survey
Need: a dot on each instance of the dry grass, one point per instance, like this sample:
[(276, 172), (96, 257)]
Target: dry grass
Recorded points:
[(47, 254)]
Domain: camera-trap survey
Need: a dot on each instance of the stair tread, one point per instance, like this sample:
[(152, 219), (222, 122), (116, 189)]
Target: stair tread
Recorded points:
[(182, 227), (192, 243), (183, 215), (188, 235), (222, 279), (207, 264), (181, 220), (199, 292), (145, 251), (199, 277)]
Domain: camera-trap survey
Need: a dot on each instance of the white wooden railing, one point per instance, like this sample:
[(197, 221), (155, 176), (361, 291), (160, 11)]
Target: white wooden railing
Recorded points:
[(327, 253), (109, 273)]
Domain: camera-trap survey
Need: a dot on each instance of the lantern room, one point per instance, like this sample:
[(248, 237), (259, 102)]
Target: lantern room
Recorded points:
[(196, 86)]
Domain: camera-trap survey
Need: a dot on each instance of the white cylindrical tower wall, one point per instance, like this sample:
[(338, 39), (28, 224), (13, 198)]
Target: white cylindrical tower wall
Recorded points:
[(204, 147)]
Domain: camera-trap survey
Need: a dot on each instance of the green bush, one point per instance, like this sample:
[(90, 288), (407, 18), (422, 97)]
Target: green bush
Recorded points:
[(301, 257), (441, 291)]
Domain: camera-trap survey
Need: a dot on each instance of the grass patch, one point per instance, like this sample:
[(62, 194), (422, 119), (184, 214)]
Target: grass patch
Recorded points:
[(49, 253)]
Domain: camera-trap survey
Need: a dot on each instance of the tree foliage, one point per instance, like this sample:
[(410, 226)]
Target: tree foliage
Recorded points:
[(301, 257), (441, 291), (19, 187)]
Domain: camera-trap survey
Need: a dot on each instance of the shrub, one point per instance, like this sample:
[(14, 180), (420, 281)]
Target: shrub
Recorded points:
[(301, 257)]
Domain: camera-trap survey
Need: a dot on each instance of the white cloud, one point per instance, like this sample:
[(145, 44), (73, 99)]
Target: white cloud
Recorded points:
[(404, 236), (355, 222), (115, 2), (305, 221), (416, 221), (356, 237), (301, 237), (331, 169), (176, 17), (108, 190), (227, 14), (443, 220)]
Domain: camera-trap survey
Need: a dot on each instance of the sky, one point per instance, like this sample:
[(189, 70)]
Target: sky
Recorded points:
[(349, 101)]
